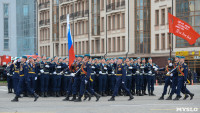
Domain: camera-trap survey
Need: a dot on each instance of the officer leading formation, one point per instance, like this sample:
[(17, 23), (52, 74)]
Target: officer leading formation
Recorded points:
[(87, 77)]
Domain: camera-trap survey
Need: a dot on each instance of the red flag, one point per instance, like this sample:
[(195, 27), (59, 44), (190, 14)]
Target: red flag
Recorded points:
[(182, 29)]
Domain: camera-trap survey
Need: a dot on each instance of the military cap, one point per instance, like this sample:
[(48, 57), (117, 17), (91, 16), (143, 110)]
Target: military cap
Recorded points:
[(30, 58), (24, 57), (182, 57), (80, 56), (120, 58), (149, 58), (170, 59), (143, 58), (88, 55), (76, 56)]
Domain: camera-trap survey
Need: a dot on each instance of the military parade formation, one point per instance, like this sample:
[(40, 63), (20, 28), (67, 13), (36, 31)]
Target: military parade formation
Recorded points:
[(87, 77)]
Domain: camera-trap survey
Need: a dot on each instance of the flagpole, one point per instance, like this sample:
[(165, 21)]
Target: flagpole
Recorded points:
[(171, 38)]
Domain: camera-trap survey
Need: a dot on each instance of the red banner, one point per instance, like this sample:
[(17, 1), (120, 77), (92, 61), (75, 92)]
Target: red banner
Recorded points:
[(182, 29)]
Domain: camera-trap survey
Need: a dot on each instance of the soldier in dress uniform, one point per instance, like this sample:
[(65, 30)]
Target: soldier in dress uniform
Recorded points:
[(129, 75), (85, 72), (9, 72), (24, 78), (31, 72), (120, 79), (111, 77), (145, 77), (134, 77), (16, 66), (103, 77), (168, 78)]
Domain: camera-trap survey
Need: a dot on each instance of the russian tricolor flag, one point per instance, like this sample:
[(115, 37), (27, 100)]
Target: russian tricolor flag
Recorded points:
[(70, 44)]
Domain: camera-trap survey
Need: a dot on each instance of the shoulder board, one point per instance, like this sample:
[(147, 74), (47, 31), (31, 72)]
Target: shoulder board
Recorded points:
[(185, 64), (122, 64)]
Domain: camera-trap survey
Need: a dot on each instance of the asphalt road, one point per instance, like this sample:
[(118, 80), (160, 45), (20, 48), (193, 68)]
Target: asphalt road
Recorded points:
[(142, 104)]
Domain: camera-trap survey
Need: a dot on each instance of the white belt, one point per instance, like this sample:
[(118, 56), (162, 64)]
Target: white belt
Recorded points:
[(66, 74), (129, 75)]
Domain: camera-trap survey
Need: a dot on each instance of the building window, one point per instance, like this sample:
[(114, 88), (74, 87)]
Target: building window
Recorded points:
[(118, 21), (169, 40), (109, 23), (157, 17), (163, 41), (109, 45), (163, 16), (102, 4), (96, 17), (113, 22), (169, 11), (102, 46), (25, 10), (6, 26), (189, 11), (102, 24), (157, 42), (123, 20), (123, 43), (113, 45)]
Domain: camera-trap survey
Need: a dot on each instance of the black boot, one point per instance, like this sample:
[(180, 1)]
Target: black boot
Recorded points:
[(137, 92), (57, 94), (145, 93), (161, 98), (169, 98), (149, 93), (42, 95), (73, 98), (104, 94), (15, 99), (54, 94), (191, 96), (36, 97), (112, 98), (45, 94), (186, 96), (87, 95), (97, 96), (133, 92), (11, 90), (131, 97), (78, 100), (177, 97), (66, 98), (152, 94)]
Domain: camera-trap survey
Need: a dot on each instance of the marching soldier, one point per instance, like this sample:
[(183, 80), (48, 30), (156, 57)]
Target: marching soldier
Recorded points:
[(103, 77), (145, 77), (31, 72), (129, 75), (16, 66), (134, 78), (120, 80), (24, 78), (85, 78), (139, 73), (168, 78)]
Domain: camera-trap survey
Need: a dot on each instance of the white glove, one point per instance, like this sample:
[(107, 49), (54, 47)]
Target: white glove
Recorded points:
[(142, 67), (66, 72), (94, 72), (150, 72), (54, 72), (47, 66), (72, 74), (41, 71), (171, 74), (130, 67), (113, 72), (156, 69), (170, 64), (13, 73), (35, 78), (58, 66), (100, 72), (168, 73), (15, 61), (93, 67), (8, 74), (137, 72), (123, 82), (86, 81), (105, 68)]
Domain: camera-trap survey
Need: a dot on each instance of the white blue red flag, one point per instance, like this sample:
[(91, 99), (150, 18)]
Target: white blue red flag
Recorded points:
[(70, 44)]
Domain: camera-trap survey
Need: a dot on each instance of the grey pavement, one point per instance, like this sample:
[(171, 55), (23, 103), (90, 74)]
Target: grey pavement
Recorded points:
[(142, 104)]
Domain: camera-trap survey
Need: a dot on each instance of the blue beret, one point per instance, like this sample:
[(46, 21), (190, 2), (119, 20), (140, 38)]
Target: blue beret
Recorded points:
[(182, 57), (65, 58), (134, 59), (24, 57), (52, 59), (16, 58), (137, 58), (149, 58), (177, 56), (80, 56), (170, 59), (88, 55), (120, 58), (143, 58), (47, 58), (30, 58), (76, 56)]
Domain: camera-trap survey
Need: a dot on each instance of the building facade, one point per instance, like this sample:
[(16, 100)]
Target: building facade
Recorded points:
[(8, 31), (18, 27), (112, 28)]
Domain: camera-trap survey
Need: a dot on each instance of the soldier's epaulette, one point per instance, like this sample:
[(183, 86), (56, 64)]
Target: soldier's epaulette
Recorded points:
[(185, 64), (123, 64), (89, 62)]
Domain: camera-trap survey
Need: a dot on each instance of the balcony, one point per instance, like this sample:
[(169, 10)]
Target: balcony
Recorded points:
[(44, 5), (115, 6), (44, 22), (62, 1), (63, 17)]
